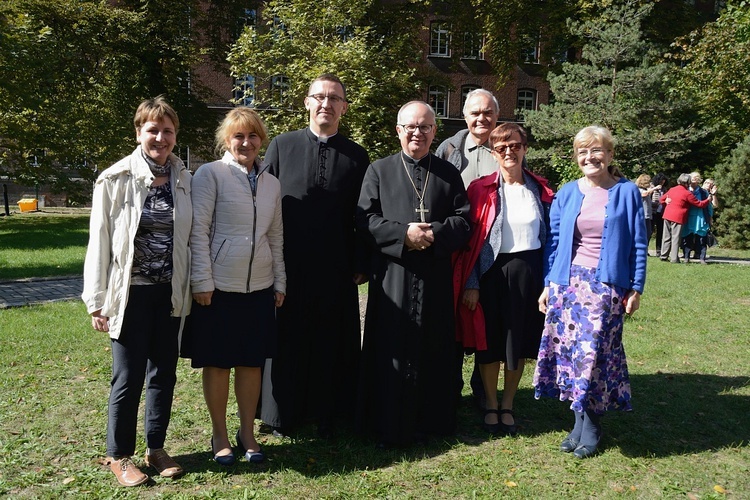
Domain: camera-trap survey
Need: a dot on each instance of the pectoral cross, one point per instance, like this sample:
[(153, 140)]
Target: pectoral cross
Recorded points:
[(421, 211)]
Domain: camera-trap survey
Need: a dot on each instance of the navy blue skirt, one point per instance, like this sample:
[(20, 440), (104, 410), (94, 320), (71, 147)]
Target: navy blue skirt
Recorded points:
[(237, 329)]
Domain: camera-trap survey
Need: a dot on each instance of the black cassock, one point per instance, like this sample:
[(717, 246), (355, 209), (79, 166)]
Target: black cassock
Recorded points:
[(409, 362), (319, 329)]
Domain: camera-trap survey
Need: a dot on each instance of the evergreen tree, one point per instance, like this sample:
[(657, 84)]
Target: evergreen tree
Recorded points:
[(732, 220), (620, 83)]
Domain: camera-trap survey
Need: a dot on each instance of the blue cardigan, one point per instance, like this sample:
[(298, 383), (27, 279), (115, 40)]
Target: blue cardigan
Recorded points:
[(622, 261)]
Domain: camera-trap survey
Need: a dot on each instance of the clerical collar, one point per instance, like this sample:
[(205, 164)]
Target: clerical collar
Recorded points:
[(323, 138), (413, 160)]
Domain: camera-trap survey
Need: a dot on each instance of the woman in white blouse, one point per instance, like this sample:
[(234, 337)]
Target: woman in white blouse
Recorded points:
[(501, 272)]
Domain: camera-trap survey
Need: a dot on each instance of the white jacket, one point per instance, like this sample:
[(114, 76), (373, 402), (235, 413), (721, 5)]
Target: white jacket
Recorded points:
[(119, 195), (237, 239)]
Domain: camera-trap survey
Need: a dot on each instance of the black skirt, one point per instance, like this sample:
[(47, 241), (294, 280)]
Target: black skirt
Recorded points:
[(508, 292), (237, 329)]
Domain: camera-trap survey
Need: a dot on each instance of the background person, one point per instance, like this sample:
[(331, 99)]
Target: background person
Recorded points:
[(647, 189), (136, 286), (657, 209), (320, 171), (414, 207), (470, 151), (677, 200), (694, 232), (237, 277), (596, 271), (500, 274)]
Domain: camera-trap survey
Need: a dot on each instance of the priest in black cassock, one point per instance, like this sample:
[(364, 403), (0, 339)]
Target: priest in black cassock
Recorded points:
[(414, 207), (319, 337)]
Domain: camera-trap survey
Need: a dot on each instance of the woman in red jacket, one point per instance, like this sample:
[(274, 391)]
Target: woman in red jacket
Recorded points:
[(678, 201)]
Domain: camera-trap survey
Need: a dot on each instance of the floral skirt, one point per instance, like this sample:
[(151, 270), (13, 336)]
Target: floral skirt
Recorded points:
[(581, 356)]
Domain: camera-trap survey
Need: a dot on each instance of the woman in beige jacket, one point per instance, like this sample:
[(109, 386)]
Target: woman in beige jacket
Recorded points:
[(135, 285), (237, 277)]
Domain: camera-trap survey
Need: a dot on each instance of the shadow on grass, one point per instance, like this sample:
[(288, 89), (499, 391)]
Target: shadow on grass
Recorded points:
[(40, 233), (674, 414)]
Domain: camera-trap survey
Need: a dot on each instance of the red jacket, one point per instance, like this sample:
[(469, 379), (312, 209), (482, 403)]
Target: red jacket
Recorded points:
[(482, 192), (680, 200)]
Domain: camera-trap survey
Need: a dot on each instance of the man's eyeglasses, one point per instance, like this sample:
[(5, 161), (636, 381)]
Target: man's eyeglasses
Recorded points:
[(515, 147), (331, 98), (410, 129), (583, 153)]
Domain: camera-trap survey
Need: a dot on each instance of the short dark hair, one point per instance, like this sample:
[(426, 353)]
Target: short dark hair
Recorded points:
[(328, 77), (503, 132)]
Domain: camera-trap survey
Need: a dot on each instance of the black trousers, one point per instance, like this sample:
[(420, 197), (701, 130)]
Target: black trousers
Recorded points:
[(146, 351)]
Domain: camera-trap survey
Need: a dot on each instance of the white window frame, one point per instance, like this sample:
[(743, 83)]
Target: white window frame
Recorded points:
[(440, 35), (438, 97), (473, 46)]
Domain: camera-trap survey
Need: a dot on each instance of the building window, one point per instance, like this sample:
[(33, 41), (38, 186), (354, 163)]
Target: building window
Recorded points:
[(530, 54), (279, 88), (473, 45), (464, 94), (526, 102), (438, 99), (244, 90), (440, 39)]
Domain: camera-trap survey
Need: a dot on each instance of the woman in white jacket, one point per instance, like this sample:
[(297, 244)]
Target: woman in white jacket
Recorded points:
[(135, 285), (237, 277)]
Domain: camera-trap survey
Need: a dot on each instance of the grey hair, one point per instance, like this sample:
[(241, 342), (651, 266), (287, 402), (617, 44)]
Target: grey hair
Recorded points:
[(483, 92), (402, 108), (684, 180)]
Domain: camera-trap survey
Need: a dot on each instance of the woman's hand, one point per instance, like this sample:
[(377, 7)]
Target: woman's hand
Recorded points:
[(99, 322), (470, 298), (278, 299), (632, 302), (543, 299), (203, 298)]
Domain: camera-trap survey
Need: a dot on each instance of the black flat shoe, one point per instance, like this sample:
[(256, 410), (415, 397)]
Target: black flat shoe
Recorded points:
[(493, 429), (585, 451), (568, 445), (225, 460), (510, 430)]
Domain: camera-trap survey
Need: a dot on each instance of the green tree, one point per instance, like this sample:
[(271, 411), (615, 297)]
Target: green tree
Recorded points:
[(373, 46), (733, 217), (72, 73), (716, 73), (621, 83)]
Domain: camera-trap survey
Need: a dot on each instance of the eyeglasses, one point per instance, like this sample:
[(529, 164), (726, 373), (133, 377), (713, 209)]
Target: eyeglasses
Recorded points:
[(582, 153), (331, 98), (410, 129), (514, 146)]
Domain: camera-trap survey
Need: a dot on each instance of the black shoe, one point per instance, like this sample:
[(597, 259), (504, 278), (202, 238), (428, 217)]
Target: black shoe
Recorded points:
[(240, 447), (568, 445), (510, 430), (585, 450), (225, 460), (493, 429)]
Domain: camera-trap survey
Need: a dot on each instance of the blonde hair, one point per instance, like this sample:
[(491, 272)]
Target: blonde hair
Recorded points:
[(596, 134), (643, 181), (241, 118), (154, 110)]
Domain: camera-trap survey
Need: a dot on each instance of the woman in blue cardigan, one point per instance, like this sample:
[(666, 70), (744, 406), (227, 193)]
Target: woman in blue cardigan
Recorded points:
[(595, 272)]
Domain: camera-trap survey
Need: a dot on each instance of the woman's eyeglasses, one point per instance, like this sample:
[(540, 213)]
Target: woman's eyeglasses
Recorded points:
[(514, 146)]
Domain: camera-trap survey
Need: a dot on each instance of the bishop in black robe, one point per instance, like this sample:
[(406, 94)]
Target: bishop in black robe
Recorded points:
[(319, 336), (408, 383)]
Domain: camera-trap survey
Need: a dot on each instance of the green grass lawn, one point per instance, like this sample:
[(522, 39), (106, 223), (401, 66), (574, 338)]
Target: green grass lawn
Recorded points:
[(687, 437), (42, 244)]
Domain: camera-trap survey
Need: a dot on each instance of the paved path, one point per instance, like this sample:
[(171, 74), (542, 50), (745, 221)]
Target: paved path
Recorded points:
[(17, 293), (30, 291)]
